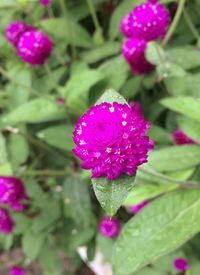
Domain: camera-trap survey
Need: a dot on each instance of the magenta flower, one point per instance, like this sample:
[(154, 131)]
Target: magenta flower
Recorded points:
[(138, 207), (45, 2), (109, 227), (17, 270), (12, 192), (125, 25), (133, 51), (181, 264), (180, 138), (34, 47), (15, 30), (110, 139), (136, 107), (6, 222), (60, 100), (148, 21)]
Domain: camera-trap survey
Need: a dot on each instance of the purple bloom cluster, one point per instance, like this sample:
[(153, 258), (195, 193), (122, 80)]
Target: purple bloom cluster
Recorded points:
[(181, 264), (180, 138), (17, 270), (136, 208), (148, 21), (45, 2), (12, 192), (109, 227), (6, 222), (111, 139), (33, 46)]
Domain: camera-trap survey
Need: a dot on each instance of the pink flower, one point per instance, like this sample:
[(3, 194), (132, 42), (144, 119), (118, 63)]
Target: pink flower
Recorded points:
[(45, 2), (125, 25), (133, 51), (15, 30), (34, 47), (17, 270), (181, 264), (138, 207), (148, 21), (180, 138), (136, 108), (60, 100), (6, 222), (109, 227), (12, 192), (110, 139)]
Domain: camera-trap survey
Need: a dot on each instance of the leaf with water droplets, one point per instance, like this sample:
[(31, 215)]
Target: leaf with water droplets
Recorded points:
[(153, 232), (111, 96), (111, 194)]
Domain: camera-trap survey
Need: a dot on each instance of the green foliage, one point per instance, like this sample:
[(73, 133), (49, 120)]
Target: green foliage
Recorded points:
[(86, 67)]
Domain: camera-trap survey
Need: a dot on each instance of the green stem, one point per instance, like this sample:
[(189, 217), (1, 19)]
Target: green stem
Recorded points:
[(175, 22), (191, 25), (94, 17)]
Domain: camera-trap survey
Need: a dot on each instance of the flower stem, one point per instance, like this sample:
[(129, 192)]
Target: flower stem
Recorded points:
[(94, 18), (191, 25), (175, 22)]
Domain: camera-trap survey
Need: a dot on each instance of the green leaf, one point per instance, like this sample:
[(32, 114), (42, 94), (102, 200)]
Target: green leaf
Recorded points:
[(146, 190), (3, 152), (77, 201), (105, 245), (77, 88), (187, 57), (188, 106), (190, 127), (112, 194), (67, 30), (174, 158), (159, 135), (32, 244), (116, 71), (131, 87), (153, 232), (104, 51), (167, 69), (34, 111), (111, 96), (155, 54), (59, 136), (124, 8)]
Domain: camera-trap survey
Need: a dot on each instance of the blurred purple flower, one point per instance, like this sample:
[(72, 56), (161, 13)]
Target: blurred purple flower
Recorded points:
[(138, 207), (180, 138), (45, 2), (12, 192), (181, 264), (15, 30), (60, 100), (17, 270), (34, 47), (109, 227), (6, 222)]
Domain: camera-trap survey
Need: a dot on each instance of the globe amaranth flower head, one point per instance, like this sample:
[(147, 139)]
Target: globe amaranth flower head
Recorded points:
[(109, 227), (110, 139), (12, 192), (6, 222), (180, 138), (17, 270), (148, 21), (136, 208), (181, 264), (15, 30), (34, 47), (133, 51), (45, 2)]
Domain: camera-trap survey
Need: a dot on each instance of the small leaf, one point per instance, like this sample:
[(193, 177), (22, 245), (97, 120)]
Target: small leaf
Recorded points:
[(59, 136), (32, 244), (155, 54), (153, 232), (111, 96), (188, 106), (190, 127), (111, 194)]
